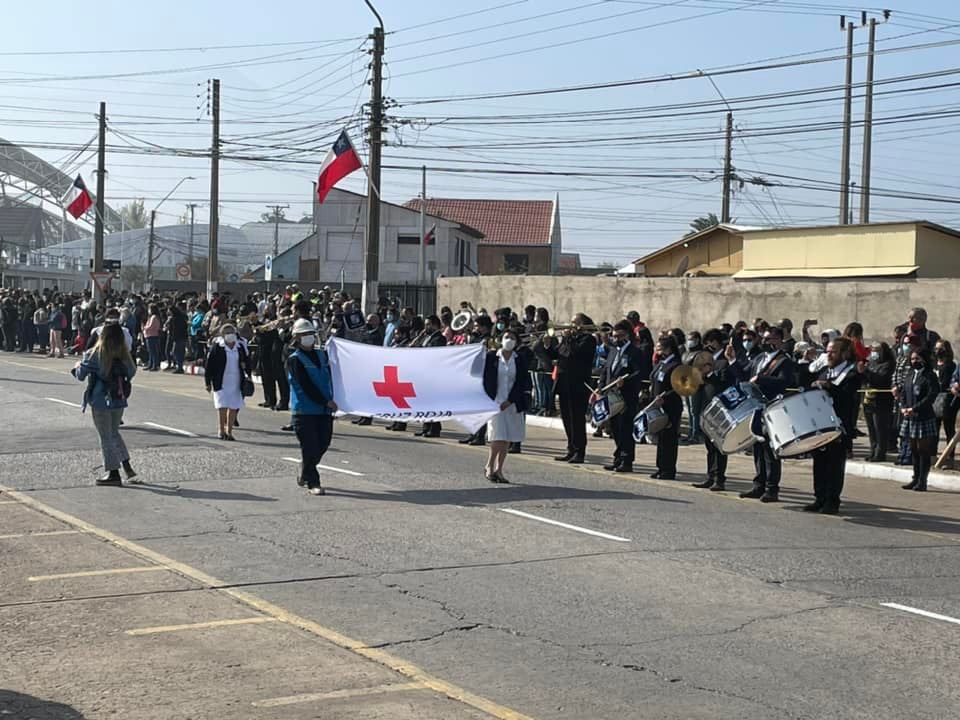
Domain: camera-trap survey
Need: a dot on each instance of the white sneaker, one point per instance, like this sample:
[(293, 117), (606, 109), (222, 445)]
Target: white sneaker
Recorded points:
[(317, 490)]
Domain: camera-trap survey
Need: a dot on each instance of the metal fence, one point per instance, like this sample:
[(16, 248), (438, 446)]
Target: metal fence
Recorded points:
[(423, 298)]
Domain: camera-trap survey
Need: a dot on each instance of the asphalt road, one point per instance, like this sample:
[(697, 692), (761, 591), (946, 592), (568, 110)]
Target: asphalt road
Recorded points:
[(680, 604)]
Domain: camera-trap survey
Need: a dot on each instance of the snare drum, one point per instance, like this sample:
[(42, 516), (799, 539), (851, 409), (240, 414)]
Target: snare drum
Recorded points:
[(801, 423), (649, 422), (732, 419), (606, 407)]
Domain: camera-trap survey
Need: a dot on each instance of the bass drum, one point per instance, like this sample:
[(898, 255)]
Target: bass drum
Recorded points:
[(801, 423), (606, 407), (732, 419)]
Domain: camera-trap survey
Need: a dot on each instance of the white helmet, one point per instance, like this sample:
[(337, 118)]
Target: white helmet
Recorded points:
[(303, 327)]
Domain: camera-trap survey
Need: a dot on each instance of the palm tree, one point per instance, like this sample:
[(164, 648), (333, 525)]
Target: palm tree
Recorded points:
[(702, 223), (134, 215)]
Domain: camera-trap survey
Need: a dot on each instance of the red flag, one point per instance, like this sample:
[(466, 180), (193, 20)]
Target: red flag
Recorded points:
[(431, 237), (339, 162), (77, 199)]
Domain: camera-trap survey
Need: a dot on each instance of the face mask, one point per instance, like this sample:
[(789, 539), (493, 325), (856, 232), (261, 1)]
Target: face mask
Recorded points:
[(748, 345), (230, 338), (691, 344), (906, 349), (917, 365), (509, 344), (914, 326), (874, 356), (767, 347), (500, 326), (391, 318), (308, 341)]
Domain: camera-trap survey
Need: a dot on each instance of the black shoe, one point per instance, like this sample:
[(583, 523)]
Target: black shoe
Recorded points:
[(283, 407), (111, 479), (576, 459), (478, 441), (265, 404), (655, 475), (815, 506), (910, 485), (300, 481), (514, 449), (420, 433), (598, 433), (756, 492), (365, 421), (433, 434), (705, 485), (178, 371), (719, 486), (770, 496), (463, 441), (287, 428), (612, 466), (128, 470), (564, 458), (355, 421), (236, 423), (667, 476), (830, 510), (920, 488), (624, 468)]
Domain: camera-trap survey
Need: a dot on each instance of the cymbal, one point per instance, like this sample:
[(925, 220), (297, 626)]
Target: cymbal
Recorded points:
[(686, 380)]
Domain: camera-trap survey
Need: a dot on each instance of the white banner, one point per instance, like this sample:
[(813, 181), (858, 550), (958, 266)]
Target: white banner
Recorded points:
[(442, 384)]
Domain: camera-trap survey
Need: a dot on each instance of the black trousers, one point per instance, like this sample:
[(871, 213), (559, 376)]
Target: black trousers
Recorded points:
[(573, 411), (768, 466), (829, 464), (314, 433), (716, 462), (878, 414), (269, 380), (668, 443), (283, 386), (9, 338), (621, 428)]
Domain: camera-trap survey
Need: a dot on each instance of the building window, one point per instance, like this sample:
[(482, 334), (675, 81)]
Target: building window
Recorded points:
[(516, 264), (408, 240)]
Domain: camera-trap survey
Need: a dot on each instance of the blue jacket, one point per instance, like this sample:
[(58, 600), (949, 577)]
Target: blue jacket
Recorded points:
[(311, 384), (102, 393)]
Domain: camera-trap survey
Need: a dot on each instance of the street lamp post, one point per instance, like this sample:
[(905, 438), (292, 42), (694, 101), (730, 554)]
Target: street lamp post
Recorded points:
[(153, 218)]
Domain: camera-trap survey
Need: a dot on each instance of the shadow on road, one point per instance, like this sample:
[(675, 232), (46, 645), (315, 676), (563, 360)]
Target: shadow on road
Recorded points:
[(495, 494), (74, 383), (18, 705), (201, 494)]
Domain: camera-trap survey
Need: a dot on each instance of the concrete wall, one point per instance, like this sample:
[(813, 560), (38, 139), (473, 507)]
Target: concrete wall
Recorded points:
[(701, 303)]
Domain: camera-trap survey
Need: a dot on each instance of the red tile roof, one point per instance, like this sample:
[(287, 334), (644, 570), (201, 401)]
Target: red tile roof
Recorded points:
[(502, 222)]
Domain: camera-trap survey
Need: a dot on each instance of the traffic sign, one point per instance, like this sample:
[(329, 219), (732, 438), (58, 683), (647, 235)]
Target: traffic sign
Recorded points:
[(184, 271), (234, 278), (102, 280), (268, 268)]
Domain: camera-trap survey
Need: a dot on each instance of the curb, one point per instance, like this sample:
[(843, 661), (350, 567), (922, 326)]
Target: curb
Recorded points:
[(902, 475), (551, 423)]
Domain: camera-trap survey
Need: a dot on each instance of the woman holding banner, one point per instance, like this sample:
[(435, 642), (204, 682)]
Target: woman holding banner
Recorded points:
[(506, 379)]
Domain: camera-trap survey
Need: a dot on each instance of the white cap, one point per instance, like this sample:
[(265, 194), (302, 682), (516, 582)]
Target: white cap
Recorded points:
[(303, 327)]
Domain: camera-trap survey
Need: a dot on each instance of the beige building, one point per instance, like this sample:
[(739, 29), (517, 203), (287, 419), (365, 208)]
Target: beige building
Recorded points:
[(905, 249), (714, 251)]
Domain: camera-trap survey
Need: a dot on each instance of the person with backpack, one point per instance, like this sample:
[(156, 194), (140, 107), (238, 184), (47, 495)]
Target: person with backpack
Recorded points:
[(108, 369)]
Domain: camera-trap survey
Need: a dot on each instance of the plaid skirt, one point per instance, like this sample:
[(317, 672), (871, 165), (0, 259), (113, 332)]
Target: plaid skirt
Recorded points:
[(913, 427)]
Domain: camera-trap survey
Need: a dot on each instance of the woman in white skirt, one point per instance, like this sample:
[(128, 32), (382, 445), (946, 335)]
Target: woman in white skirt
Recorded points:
[(506, 378), (226, 368)]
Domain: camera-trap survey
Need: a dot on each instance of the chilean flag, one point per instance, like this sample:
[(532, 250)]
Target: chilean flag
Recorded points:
[(77, 200), (339, 162), (431, 237)]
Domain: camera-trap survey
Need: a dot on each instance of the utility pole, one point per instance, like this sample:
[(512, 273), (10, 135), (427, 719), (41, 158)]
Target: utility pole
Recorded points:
[(214, 227), (371, 260), (727, 171), (192, 207), (867, 128), (422, 262), (276, 227), (101, 202), (153, 219), (845, 143)]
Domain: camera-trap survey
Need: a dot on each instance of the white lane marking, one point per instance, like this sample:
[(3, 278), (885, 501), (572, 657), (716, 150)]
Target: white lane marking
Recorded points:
[(339, 694), (925, 613), (50, 533), (63, 402), (577, 528), (327, 467), (175, 431)]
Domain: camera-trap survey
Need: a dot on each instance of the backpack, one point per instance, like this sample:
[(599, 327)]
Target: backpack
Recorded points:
[(118, 385)]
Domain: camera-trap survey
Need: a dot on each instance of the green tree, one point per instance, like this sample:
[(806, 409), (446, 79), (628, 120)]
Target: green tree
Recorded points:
[(269, 217), (134, 215), (703, 222)]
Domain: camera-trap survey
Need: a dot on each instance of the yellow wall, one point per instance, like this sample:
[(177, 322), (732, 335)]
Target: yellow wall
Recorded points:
[(712, 249), (938, 254), (890, 245)]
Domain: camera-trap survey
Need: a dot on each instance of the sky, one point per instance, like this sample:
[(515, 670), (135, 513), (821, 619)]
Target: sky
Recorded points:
[(632, 164)]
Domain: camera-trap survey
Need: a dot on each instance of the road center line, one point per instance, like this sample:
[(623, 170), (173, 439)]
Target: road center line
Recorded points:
[(175, 431), (94, 573), (576, 528), (924, 613), (328, 467), (63, 402), (201, 625), (339, 694)]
